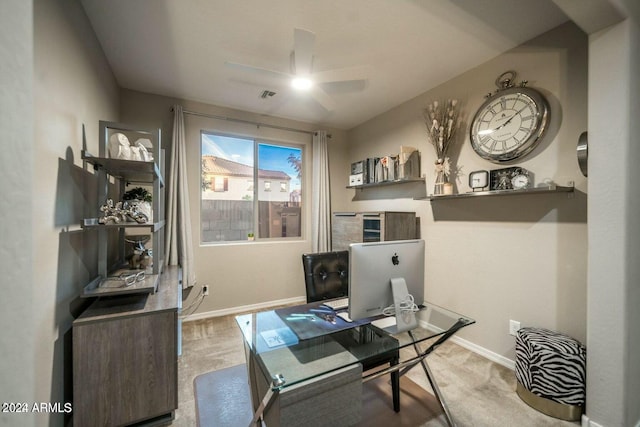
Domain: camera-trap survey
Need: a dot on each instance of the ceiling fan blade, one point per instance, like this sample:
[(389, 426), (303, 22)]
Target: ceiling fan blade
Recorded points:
[(323, 98), (303, 44), (342, 74), (277, 87), (263, 71)]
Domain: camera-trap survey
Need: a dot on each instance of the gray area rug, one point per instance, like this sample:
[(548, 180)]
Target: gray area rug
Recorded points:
[(222, 400)]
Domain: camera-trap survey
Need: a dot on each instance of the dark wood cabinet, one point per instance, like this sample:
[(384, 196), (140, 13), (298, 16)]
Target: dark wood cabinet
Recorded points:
[(125, 357), (357, 227)]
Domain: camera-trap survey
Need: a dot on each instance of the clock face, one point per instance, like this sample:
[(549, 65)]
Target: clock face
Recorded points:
[(520, 181), (478, 179), (509, 124)]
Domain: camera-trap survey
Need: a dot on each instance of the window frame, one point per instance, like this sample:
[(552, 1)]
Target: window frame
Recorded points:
[(306, 164)]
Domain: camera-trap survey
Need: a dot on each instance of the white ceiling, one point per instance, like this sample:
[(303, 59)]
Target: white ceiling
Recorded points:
[(179, 48)]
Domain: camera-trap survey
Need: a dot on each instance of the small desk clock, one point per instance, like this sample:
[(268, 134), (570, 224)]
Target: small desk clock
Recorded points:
[(478, 180)]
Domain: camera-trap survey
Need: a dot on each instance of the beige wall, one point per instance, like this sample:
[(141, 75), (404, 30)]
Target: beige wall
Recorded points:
[(73, 85), (17, 344), (523, 257), (613, 344), (238, 274)]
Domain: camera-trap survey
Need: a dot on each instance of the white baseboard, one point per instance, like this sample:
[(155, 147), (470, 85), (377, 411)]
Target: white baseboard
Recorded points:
[(494, 357), (488, 354), (586, 422), (244, 309)]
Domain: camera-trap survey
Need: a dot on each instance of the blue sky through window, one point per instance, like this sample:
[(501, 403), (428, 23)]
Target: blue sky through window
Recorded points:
[(236, 149)]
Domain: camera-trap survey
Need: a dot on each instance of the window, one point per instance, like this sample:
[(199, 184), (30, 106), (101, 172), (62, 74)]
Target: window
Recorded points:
[(237, 194), (221, 183)]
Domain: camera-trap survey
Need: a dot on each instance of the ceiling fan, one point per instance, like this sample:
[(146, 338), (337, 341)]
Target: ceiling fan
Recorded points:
[(302, 77)]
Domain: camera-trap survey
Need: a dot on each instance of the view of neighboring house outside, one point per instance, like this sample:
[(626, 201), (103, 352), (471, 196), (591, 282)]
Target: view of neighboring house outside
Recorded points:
[(228, 180), (228, 208)]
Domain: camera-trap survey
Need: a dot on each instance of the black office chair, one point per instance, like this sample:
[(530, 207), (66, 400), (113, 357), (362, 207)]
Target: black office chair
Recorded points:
[(326, 276)]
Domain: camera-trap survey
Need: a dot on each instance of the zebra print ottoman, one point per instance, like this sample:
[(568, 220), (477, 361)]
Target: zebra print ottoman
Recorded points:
[(550, 372)]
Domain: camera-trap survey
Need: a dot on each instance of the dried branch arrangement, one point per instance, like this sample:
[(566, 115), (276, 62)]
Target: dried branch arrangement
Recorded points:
[(441, 119)]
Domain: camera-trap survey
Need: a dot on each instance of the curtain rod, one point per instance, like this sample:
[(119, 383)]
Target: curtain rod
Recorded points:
[(250, 122)]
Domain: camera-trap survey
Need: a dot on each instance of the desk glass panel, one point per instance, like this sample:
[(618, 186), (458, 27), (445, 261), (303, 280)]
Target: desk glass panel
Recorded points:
[(288, 360)]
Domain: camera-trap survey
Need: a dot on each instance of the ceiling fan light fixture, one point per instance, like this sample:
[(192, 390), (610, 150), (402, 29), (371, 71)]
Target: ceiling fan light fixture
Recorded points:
[(301, 83)]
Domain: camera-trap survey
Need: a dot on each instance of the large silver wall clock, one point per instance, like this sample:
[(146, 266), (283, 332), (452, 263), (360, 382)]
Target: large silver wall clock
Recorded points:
[(511, 122)]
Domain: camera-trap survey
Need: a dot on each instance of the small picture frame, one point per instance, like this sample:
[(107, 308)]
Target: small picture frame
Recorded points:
[(512, 178)]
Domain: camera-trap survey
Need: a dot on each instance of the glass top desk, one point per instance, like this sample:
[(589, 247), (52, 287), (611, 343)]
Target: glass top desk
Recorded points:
[(296, 344)]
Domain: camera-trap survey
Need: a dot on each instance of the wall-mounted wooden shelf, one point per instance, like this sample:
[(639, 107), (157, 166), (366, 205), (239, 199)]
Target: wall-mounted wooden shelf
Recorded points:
[(551, 188), (385, 183)]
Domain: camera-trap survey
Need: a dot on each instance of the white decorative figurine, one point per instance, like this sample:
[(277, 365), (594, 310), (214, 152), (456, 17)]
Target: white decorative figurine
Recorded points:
[(119, 147), (144, 146)]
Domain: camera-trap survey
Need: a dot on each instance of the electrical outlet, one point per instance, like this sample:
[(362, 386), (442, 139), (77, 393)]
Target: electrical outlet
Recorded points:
[(205, 290), (514, 325)]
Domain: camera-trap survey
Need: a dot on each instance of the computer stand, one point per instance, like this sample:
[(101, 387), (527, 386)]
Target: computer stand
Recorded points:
[(405, 317)]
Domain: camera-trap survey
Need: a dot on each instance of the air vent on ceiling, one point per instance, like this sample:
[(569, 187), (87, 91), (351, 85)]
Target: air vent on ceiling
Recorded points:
[(267, 94)]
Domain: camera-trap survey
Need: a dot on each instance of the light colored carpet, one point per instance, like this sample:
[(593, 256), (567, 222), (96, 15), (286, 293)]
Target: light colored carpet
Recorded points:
[(479, 393)]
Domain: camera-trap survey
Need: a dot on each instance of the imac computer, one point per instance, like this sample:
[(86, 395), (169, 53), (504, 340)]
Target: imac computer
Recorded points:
[(372, 269)]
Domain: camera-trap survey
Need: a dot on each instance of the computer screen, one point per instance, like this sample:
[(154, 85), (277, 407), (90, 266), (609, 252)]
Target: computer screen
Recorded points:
[(371, 268)]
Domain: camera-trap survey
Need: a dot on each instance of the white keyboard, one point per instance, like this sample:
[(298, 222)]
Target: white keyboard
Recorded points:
[(337, 304), (385, 322)]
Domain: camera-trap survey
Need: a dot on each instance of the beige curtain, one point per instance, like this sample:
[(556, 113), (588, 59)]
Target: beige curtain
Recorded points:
[(179, 242), (321, 195)]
